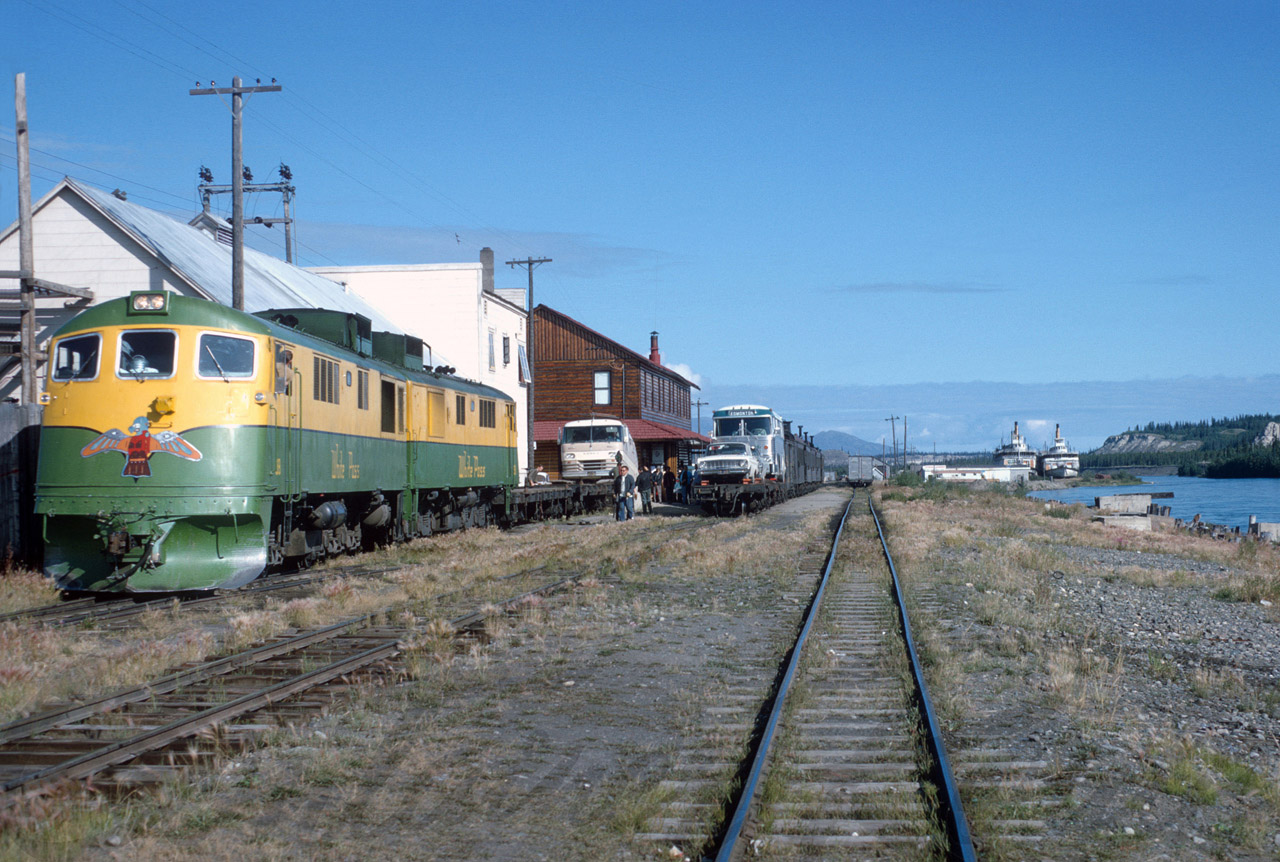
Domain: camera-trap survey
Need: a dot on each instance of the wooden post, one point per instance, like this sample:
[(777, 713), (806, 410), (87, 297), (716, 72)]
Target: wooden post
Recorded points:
[(26, 254)]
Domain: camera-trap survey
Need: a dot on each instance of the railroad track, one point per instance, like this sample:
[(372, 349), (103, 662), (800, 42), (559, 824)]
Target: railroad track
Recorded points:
[(143, 734), (112, 607), (835, 743)]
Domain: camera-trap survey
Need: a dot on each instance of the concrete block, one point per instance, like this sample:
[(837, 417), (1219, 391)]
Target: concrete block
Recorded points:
[(1123, 504), (1141, 523)]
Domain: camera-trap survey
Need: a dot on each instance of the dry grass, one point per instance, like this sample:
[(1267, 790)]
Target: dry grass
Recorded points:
[(23, 588)]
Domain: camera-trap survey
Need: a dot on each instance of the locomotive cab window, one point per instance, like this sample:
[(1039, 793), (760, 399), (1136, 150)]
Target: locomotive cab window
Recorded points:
[(284, 370), (76, 358), (147, 354), (224, 357)]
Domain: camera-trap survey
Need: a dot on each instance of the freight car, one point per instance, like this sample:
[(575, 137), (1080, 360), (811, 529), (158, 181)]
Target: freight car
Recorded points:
[(790, 464), (189, 446)]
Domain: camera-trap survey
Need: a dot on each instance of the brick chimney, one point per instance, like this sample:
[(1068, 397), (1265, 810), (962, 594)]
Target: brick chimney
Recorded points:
[(654, 355), (486, 269)]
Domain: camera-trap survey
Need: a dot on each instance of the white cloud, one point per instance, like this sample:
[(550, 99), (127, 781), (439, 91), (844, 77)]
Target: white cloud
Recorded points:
[(686, 372)]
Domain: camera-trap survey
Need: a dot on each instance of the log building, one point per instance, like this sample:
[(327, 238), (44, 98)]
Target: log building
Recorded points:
[(579, 373)]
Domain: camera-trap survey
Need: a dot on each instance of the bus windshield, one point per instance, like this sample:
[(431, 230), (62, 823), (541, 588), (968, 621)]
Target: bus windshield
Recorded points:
[(592, 434)]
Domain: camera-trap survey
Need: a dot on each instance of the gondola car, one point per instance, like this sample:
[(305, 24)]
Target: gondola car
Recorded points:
[(189, 446)]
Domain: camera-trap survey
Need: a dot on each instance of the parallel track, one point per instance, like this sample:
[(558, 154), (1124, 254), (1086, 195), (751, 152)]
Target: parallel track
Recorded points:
[(146, 726)]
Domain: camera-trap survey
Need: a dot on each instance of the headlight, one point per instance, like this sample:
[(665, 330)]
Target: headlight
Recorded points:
[(569, 456), (149, 301)]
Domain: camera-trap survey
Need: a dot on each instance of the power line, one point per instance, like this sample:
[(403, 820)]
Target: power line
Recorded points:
[(132, 184), (295, 100)]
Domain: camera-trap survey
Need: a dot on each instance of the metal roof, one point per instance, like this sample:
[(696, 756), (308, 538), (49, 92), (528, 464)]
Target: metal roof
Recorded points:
[(205, 264)]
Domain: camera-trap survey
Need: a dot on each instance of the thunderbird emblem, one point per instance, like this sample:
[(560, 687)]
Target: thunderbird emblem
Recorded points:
[(137, 446)]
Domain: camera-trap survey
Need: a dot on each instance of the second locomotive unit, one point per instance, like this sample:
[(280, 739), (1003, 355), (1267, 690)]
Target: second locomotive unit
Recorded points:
[(189, 446)]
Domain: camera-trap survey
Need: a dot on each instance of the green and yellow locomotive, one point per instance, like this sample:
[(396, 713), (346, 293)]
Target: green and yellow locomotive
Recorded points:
[(189, 446)]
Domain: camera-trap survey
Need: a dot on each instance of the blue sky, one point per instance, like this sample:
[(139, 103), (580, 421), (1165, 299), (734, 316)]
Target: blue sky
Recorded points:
[(840, 201)]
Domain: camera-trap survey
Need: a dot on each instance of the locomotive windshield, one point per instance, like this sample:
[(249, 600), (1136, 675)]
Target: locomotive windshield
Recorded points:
[(743, 426), (592, 434), (77, 358), (224, 356), (147, 353)]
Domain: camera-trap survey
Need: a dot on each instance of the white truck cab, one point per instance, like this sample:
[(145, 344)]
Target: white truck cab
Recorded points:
[(729, 462), (592, 449)]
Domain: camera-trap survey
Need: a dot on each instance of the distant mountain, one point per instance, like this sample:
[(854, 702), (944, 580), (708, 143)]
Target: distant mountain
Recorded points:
[(845, 442)]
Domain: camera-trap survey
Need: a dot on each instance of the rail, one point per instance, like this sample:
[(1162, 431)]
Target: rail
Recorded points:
[(950, 808), (733, 833)]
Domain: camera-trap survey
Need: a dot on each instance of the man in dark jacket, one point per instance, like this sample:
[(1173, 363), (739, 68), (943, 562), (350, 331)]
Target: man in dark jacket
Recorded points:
[(668, 484), (644, 484), (624, 488)]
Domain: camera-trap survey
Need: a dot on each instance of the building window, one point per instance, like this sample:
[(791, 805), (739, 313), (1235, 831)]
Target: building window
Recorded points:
[(488, 414), (603, 387), (525, 375), (506, 350), (460, 411), (324, 387), (493, 362)]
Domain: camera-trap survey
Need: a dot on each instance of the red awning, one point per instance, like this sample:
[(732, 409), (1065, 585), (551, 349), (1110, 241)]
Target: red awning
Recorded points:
[(642, 431)]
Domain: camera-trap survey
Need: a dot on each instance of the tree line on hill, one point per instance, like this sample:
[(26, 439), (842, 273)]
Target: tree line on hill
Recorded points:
[(1227, 449)]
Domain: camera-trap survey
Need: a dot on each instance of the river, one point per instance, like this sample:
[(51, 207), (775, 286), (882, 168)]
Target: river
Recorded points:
[(1218, 501)]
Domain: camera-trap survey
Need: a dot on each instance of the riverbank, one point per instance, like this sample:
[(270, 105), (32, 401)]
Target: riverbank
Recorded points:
[(1229, 502)]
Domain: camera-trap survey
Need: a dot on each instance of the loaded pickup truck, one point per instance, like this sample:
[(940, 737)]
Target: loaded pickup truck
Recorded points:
[(729, 463)]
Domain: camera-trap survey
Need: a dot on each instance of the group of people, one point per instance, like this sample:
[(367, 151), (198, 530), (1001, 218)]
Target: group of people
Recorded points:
[(652, 485)]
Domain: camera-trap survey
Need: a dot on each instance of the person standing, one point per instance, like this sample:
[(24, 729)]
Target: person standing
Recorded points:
[(624, 487), (668, 484), (644, 484)]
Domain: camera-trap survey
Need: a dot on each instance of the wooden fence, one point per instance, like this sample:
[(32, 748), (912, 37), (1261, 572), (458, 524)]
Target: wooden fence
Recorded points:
[(19, 443)]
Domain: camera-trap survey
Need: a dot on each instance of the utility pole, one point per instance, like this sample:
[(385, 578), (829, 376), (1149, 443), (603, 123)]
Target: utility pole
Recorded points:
[(28, 284), (904, 441), (26, 252), (893, 429), (207, 189), (699, 405), (237, 169), (531, 264)]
